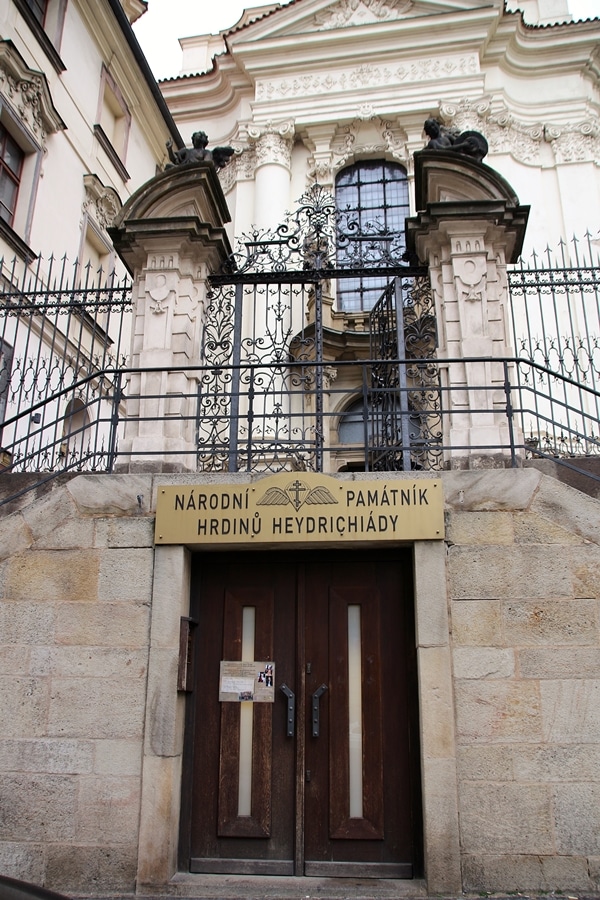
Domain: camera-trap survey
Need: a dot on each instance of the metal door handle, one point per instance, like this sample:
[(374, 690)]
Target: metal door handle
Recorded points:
[(291, 709), (315, 709)]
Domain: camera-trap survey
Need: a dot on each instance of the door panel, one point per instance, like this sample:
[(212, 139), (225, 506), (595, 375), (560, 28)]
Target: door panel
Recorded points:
[(222, 839), (366, 822), (340, 797), (254, 730), (381, 839)]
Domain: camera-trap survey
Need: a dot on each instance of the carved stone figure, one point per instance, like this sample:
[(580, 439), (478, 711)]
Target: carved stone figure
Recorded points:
[(439, 137), (198, 153), (469, 143)]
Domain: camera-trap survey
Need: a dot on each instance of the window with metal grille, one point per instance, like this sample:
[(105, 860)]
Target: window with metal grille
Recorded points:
[(11, 164), (372, 196)]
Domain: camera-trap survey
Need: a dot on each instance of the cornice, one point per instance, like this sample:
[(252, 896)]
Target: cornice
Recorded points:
[(219, 90), (524, 49), (401, 39), (369, 70), (134, 9), (252, 16), (498, 37)]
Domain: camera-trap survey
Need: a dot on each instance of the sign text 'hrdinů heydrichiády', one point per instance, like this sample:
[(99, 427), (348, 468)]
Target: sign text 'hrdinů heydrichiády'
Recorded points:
[(300, 508)]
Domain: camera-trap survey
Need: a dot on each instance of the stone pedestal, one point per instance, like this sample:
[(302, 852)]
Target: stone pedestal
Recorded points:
[(170, 235), (469, 227)]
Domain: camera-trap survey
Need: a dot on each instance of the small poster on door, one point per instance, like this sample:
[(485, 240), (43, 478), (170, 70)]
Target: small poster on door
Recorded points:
[(243, 682)]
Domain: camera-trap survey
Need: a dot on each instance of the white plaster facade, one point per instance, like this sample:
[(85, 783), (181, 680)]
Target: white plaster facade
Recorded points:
[(303, 90), (87, 126), (61, 83)]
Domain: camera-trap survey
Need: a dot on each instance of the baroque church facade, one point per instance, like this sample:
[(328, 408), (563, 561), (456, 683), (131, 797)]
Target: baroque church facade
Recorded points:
[(303, 91)]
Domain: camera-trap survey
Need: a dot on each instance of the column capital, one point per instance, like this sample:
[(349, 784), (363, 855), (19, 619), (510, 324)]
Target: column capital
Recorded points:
[(273, 143)]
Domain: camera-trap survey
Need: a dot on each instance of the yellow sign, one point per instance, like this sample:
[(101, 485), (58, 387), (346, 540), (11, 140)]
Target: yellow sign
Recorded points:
[(300, 508)]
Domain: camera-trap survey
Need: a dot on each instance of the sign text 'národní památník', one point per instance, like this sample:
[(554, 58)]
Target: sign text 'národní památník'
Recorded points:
[(300, 508)]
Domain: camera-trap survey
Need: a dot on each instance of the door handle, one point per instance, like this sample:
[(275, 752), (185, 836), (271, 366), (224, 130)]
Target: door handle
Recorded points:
[(291, 709), (315, 709)]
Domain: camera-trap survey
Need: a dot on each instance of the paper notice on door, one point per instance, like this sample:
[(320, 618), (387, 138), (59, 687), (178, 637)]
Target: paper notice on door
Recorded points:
[(241, 682)]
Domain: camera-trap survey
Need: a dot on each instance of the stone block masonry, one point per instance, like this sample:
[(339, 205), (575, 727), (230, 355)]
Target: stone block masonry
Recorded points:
[(75, 609), (525, 621), (508, 637)]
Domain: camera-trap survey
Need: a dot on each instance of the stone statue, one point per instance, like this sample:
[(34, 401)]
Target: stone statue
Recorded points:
[(198, 153), (439, 137), (468, 143)]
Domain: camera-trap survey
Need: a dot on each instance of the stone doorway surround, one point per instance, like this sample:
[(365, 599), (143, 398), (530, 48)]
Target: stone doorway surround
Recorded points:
[(164, 732)]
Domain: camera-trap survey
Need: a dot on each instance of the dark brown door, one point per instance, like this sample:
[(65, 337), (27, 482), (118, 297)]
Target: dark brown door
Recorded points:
[(339, 796)]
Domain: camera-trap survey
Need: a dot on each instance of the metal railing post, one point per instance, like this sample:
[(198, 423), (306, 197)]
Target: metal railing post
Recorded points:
[(319, 379), (402, 383), (236, 375), (509, 415), (367, 418), (114, 421)]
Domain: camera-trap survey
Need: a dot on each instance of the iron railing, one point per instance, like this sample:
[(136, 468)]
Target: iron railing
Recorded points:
[(555, 311), (271, 393), (410, 446), (65, 333)]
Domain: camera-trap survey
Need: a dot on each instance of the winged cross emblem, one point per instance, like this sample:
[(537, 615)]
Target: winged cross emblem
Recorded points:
[(296, 493)]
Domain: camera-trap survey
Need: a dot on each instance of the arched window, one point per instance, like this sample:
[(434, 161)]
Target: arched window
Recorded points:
[(351, 429), (75, 442), (383, 432), (372, 194)]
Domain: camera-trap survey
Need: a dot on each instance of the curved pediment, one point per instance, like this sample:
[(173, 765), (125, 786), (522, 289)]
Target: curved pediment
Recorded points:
[(444, 176), (181, 205), (191, 190), (452, 187)]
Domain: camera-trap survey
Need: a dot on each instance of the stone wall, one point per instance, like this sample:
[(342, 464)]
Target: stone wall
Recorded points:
[(524, 587), (75, 586), (90, 741)]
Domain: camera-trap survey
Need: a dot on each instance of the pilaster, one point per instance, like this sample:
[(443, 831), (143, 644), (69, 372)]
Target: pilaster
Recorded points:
[(471, 226), (171, 237)]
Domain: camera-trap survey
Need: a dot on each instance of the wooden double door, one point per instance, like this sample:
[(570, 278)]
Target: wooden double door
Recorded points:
[(323, 780)]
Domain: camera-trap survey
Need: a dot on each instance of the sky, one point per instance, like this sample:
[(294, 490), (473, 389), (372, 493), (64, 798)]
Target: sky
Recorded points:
[(166, 21)]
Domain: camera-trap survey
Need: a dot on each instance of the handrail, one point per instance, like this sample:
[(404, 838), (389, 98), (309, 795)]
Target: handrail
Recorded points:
[(115, 396)]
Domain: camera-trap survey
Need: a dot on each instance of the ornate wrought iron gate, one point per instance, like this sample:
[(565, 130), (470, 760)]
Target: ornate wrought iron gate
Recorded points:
[(405, 405), (283, 365), (285, 379)]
